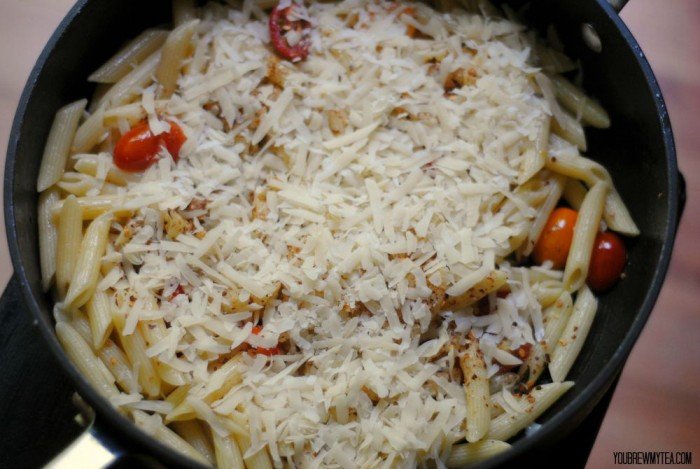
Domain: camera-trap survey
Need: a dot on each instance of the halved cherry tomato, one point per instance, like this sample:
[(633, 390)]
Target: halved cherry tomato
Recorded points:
[(268, 352), (138, 149), (555, 241), (282, 21), (607, 261)]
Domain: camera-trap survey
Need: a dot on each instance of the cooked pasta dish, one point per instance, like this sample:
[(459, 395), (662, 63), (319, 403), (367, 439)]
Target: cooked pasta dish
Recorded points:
[(348, 234)]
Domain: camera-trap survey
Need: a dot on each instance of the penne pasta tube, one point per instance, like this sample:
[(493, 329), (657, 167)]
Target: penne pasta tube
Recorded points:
[(82, 327), (131, 113), (537, 401), (130, 85), (576, 101), (616, 214), (555, 318), (134, 346), (69, 239), (177, 396), (193, 433), (48, 236), (571, 130), (78, 184), (574, 335), (88, 165), (154, 332), (545, 210), (153, 425), (489, 284), (118, 364), (90, 133), (87, 266), (84, 359), (574, 193), (175, 51), (468, 453), (259, 460), (228, 455), (97, 206), (129, 57), (585, 231), (100, 317), (476, 387), (58, 145)]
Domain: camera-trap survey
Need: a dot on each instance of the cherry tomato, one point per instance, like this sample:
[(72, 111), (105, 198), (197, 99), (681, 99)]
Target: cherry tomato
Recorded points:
[(284, 20), (138, 149), (268, 352), (607, 261), (555, 241)]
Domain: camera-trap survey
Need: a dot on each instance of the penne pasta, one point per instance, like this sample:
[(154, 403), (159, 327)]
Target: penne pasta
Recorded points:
[(574, 193), (175, 51), (194, 434), (88, 165), (469, 453), (585, 231), (100, 316), (153, 425), (118, 364), (616, 214), (574, 335), (87, 266), (124, 61), (48, 236), (58, 145), (78, 184), (554, 194), (96, 206), (84, 359), (228, 455), (91, 132), (489, 284), (259, 460), (555, 318), (134, 346), (537, 401), (571, 130), (476, 387), (128, 87), (576, 101), (69, 239), (153, 333)]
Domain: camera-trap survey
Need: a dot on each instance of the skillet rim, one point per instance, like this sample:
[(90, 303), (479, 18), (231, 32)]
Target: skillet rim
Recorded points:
[(583, 402)]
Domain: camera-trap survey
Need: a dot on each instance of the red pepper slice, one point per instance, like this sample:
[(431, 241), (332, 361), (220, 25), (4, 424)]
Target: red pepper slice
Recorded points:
[(268, 352), (137, 150), (281, 22)]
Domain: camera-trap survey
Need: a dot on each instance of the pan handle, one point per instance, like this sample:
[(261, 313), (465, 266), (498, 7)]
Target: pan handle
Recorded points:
[(92, 449)]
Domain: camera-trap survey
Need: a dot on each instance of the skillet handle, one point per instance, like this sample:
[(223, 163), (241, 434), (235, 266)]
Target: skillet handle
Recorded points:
[(92, 449), (682, 196)]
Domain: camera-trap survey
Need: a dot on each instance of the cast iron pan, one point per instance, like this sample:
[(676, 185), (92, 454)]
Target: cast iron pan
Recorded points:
[(638, 150)]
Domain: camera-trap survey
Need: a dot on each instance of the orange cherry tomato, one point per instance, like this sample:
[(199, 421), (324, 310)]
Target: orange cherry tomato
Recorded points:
[(268, 352), (555, 241), (607, 261), (138, 149)]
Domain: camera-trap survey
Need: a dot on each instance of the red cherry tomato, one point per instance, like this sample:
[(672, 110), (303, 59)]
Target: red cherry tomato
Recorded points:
[(284, 20), (607, 261), (555, 241), (268, 352), (138, 149)]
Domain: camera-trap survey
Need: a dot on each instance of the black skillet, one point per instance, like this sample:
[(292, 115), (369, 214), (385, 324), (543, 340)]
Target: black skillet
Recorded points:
[(638, 150)]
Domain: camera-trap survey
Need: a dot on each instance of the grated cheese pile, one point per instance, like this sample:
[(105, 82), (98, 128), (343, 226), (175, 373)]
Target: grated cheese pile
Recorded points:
[(335, 202)]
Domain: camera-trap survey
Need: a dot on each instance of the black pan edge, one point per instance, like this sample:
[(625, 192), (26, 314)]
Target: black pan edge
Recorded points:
[(582, 403)]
